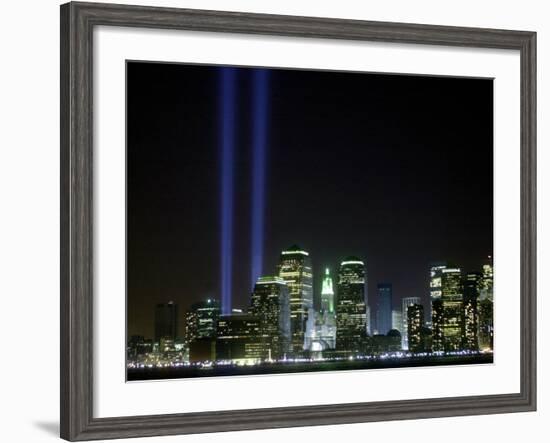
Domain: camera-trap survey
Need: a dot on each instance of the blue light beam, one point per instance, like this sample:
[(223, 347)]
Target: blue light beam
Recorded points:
[(227, 171), (260, 111)]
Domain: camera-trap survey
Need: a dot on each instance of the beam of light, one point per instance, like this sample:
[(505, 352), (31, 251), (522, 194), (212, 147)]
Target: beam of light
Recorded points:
[(227, 179), (260, 110)]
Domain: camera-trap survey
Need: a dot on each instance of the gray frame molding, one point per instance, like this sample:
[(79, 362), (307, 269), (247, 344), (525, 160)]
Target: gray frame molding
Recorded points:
[(77, 23)]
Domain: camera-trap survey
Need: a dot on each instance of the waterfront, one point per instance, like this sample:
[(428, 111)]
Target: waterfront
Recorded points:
[(172, 372)]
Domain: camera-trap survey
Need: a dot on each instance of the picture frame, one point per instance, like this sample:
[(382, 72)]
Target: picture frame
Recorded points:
[(77, 211)]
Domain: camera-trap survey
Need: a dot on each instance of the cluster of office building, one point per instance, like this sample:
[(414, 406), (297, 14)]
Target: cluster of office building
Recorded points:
[(283, 322)]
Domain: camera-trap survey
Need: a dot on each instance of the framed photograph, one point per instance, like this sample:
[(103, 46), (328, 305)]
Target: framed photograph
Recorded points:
[(272, 221)]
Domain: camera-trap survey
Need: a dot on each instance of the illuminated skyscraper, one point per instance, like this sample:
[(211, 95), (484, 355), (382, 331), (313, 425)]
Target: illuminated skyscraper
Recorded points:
[(437, 325), (486, 291), (415, 328), (166, 321), (447, 312), (270, 304), (323, 328), (327, 294), (435, 279), (201, 320), (485, 308), (295, 270), (384, 309), (485, 323), (436, 306), (472, 288), (351, 312), (405, 303)]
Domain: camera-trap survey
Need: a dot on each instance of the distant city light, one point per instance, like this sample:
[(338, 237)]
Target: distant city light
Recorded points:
[(352, 262), (294, 252)]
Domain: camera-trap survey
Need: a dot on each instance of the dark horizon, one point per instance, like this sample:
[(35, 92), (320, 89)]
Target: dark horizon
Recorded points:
[(394, 169)]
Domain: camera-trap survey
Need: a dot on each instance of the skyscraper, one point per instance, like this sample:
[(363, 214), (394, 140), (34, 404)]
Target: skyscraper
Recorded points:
[(485, 323), (323, 335), (201, 320), (384, 309), (327, 293), (415, 328), (437, 325), (368, 321), (435, 291), (397, 320), (447, 312), (485, 308), (351, 312), (436, 306), (405, 303), (472, 288), (270, 304), (295, 269), (166, 321), (487, 280), (435, 279)]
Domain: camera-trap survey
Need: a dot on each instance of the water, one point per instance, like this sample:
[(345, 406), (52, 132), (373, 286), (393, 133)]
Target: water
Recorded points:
[(291, 367)]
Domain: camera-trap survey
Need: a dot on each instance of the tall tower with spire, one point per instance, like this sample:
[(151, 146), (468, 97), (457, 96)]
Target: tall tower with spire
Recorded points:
[(327, 294), (321, 327)]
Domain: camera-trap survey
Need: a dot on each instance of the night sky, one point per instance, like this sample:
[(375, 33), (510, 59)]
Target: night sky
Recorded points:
[(395, 169)]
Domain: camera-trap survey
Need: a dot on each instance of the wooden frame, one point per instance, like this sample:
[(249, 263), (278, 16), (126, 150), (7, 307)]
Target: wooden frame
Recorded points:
[(77, 23)]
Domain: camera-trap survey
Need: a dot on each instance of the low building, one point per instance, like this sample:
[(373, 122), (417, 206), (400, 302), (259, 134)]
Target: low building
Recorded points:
[(240, 340), (383, 344)]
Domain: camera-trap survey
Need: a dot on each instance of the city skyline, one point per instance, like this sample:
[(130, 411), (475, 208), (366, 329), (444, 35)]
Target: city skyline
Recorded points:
[(318, 278), (281, 327), (469, 285), (373, 299)]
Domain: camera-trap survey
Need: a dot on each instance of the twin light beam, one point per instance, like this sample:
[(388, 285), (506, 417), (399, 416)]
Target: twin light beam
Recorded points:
[(260, 112)]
